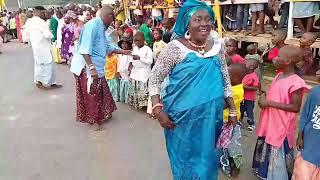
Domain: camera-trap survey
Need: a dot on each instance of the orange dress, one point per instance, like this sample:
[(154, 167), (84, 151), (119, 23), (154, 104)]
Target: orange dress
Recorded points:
[(111, 66)]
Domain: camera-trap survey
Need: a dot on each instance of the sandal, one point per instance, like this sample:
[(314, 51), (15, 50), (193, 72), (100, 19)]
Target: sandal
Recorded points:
[(55, 86)]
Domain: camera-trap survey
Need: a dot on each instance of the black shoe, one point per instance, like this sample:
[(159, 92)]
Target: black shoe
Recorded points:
[(55, 86)]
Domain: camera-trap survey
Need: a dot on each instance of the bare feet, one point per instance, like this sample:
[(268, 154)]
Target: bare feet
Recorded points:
[(108, 117), (244, 30), (256, 33), (40, 86), (95, 127), (237, 31)]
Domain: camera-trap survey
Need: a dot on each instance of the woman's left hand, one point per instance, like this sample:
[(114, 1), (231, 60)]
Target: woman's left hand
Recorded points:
[(232, 120)]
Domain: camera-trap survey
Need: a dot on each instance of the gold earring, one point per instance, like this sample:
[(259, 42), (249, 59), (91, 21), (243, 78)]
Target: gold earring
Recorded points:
[(187, 35)]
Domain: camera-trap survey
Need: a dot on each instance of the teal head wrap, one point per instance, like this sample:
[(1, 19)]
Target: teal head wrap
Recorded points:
[(186, 12)]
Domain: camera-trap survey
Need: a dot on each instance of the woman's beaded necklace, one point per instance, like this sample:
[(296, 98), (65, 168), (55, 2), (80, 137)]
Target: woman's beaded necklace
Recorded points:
[(200, 48)]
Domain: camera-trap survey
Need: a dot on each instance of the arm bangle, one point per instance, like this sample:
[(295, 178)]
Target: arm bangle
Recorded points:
[(157, 105), (232, 115), (91, 67)]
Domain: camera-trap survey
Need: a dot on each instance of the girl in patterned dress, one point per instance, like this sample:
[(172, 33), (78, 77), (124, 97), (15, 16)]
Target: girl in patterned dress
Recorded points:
[(273, 155)]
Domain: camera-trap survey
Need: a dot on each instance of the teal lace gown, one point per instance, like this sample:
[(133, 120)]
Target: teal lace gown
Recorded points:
[(194, 99)]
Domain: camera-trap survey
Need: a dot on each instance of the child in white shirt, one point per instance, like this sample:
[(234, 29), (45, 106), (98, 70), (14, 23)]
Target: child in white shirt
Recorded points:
[(141, 68)]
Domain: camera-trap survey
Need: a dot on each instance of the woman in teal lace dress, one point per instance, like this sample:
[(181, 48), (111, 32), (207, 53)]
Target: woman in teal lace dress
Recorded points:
[(197, 85)]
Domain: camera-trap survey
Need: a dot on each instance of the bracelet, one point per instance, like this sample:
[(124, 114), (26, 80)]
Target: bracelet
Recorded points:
[(155, 114), (157, 105), (232, 115), (91, 67)]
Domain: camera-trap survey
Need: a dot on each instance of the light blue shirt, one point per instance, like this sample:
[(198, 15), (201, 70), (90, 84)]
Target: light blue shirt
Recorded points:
[(93, 41)]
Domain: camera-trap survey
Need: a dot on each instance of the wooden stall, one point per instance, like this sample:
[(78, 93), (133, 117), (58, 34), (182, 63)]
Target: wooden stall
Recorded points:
[(264, 38)]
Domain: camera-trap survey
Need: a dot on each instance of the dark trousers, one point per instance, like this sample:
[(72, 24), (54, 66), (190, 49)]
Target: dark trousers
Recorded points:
[(242, 16), (284, 15), (248, 107)]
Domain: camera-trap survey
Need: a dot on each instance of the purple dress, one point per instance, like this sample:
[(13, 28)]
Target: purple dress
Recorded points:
[(67, 39)]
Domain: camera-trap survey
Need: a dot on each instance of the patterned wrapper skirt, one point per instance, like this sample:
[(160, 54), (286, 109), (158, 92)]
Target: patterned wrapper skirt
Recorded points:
[(304, 170), (82, 97), (114, 88), (96, 106), (138, 94), (271, 162)]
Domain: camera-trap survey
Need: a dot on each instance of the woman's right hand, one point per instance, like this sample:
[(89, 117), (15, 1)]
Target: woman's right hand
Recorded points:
[(165, 121), (94, 73)]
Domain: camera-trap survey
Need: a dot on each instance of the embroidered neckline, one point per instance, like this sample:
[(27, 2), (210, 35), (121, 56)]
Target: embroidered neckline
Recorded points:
[(212, 52)]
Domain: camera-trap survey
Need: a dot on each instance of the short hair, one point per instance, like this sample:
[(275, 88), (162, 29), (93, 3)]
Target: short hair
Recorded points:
[(252, 49), (58, 11), (233, 42), (139, 34), (292, 52), (281, 34), (39, 8), (311, 36), (159, 30)]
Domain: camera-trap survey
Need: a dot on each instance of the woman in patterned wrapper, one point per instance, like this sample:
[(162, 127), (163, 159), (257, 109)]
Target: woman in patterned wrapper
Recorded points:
[(68, 36), (197, 85)]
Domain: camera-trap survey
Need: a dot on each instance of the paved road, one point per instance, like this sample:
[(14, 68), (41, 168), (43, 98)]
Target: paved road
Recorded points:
[(40, 140)]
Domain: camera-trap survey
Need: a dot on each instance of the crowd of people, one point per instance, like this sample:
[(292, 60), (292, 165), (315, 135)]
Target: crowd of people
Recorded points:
[(194, 83)]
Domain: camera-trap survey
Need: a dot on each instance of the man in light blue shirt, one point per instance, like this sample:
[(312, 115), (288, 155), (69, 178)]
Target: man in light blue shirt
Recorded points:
[(94, 46), (93, 43)]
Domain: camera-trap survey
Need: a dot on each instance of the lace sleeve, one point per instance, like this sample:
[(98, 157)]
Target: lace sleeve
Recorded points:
[(167, 59), (225, 73)]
